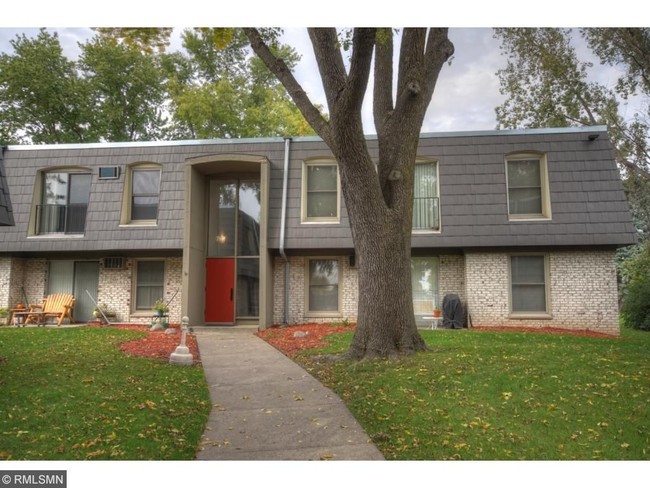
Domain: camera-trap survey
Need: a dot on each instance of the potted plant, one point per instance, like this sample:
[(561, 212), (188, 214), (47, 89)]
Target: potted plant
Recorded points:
[(437, 312), (160, 307), (3, 315), (107, 312)]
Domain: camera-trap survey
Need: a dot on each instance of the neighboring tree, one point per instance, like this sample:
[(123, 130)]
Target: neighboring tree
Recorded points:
[(127, 89), (378, 197), (232, 94), (635, 310), (548, 85), (42, 97)]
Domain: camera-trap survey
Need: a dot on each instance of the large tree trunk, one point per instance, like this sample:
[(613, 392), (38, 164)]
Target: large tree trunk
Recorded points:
[(386, 323), (379, 199)]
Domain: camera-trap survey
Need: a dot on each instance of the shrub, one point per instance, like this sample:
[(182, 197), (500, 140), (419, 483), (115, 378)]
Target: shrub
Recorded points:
[(635, 311)]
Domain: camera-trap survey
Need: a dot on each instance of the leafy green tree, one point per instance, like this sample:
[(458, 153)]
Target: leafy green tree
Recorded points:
[(635, 310), (127, 89), (42, 97), (378, 197), (547, 85), (232, 94)]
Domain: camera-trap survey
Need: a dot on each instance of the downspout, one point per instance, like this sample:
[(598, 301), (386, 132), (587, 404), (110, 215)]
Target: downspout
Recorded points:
[(283, 222)]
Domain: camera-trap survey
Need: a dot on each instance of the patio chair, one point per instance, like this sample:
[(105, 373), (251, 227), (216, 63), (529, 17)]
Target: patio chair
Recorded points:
[(58, 306)]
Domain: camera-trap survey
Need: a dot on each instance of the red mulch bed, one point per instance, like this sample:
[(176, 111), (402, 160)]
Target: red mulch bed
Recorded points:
[(284, 339), (156, 344)]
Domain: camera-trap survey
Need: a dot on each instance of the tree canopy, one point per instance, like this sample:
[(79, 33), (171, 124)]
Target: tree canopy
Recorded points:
[(127, 86)]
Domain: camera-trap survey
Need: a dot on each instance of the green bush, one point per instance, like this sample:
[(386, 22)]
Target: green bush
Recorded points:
[(635, 311)]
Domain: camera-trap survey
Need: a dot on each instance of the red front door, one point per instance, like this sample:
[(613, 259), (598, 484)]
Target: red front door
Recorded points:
[(219, 290)]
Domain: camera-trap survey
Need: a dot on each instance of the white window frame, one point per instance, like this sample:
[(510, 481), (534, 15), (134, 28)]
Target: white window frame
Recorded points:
[(544, 186), (437, 192), (127, 205), (541, 314), (304, 218), (323, 313)]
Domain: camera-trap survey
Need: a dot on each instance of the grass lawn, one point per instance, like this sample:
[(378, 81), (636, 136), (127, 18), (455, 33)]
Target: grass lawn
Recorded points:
[(71, 394), (487, 395)]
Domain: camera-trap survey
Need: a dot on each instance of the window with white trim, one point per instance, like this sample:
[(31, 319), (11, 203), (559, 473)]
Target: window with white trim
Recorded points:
[(426, 208), (528, 189), (149, 283), (320, 191), (528, 280), (322, 286), (141, 194)]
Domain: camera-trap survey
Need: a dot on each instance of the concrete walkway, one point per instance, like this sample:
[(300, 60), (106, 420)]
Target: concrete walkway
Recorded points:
[(266, 407)]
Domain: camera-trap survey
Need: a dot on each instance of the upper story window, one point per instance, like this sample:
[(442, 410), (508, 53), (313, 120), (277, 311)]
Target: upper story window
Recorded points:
[(141, 194), (320, 191), (426, 204), (63, 203), (528, 189)]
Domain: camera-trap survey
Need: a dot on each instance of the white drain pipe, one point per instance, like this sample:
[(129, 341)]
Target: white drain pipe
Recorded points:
[(283, 222)]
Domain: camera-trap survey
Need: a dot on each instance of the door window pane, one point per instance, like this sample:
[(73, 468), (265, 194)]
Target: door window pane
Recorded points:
[(248, 287), (424, 281), (249, 219), (323, 285), (223, 202), (528, 278)]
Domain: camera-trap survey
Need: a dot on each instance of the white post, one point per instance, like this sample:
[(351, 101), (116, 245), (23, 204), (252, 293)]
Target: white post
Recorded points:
[(182, 355)]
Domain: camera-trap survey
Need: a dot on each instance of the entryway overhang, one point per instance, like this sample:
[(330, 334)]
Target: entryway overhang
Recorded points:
[(199, 171)]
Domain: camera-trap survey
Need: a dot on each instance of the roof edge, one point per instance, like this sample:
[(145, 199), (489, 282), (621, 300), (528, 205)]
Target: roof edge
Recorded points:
[(262, 140)]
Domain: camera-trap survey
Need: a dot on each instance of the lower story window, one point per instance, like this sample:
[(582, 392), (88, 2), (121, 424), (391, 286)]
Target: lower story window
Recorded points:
[(323, 285), (528, 281), (150, 279)]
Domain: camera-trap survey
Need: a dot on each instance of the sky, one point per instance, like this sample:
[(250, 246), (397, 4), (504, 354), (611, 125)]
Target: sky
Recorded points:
[(467, 91)]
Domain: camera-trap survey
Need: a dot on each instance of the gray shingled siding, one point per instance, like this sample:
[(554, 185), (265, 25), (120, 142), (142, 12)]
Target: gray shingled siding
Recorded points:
[(6, 216), (587, 200)]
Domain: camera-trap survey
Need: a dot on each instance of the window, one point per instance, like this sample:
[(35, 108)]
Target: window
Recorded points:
[(64, 203), (528, 282), (528, 193), (424, 281), (149, 287), (141, 194), (320, 192), (426, 215), (323, 286)]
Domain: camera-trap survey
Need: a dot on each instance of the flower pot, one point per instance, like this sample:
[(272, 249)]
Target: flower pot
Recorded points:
[(160, 313)]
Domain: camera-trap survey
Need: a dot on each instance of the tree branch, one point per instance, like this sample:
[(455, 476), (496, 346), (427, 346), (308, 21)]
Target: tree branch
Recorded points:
[(278, 67), (383, 85)]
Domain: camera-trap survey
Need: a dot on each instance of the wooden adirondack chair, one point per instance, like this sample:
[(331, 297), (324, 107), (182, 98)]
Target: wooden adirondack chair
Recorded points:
[(57, 305)]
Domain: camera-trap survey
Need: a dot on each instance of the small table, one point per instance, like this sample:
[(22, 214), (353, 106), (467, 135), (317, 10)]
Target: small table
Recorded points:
[(435, 321), (23, 314)]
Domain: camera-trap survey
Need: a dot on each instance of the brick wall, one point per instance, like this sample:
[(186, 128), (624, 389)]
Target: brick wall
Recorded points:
[(582, 287), (451, 276), (348, 292), (116, 287)]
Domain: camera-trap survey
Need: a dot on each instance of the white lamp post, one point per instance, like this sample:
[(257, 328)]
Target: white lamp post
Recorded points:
[(182, 355)]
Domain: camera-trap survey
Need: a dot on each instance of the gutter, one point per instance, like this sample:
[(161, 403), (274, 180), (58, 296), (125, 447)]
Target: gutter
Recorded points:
[(283, 222)]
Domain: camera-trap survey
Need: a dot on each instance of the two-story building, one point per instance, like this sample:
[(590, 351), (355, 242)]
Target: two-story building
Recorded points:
[(522, 225)]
